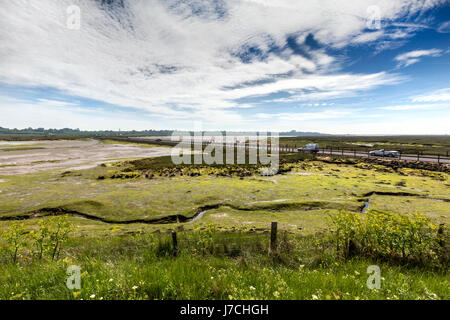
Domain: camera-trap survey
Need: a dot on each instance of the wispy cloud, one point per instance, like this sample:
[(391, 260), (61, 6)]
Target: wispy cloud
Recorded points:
[(435, 96), (409, 58), (191, 59), (406, 107), (305, 116), (444, 27)]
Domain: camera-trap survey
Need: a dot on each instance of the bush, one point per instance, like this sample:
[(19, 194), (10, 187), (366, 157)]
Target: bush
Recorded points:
[(16, 239), (409, 237), (48, 239)]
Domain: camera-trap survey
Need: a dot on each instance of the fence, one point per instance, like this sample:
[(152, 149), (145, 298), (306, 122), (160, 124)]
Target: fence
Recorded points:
[(272, 247), (417, 156)]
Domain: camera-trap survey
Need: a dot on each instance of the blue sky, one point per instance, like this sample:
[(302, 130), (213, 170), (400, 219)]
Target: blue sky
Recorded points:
[(345, 67)]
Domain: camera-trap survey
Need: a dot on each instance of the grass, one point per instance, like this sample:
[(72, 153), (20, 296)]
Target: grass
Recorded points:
[(145, 144), (224, 254), (304, 186), (20, 149), (142, 267)]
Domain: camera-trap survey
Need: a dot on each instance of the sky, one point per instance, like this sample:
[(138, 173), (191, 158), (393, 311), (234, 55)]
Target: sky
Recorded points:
[(330, 66)]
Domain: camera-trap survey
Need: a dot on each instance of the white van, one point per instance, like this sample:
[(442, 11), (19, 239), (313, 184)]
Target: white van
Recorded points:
[(311, 147)]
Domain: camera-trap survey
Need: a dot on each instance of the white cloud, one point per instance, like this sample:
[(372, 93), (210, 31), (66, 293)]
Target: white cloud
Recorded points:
[(56, 103), (444, 27), (435, 96), (178, 59), (409, 58), (405, 107), (305, 116)]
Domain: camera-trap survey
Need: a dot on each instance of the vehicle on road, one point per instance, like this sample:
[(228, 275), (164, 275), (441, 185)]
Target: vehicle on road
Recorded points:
[(311, 148), (384, 153)]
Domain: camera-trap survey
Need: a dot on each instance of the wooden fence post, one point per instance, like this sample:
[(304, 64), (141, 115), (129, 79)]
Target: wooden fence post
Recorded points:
[(175, 242), (273, 236), (418, 155), (440, 234)]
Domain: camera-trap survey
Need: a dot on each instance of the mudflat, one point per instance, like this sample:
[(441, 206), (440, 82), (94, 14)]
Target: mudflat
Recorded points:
[(33, 156)]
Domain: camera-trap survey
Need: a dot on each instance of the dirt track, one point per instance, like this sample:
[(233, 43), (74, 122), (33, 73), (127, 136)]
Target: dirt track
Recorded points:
[(67, 154)]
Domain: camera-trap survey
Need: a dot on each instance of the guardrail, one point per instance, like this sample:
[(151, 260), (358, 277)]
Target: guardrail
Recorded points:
[(406, 156)]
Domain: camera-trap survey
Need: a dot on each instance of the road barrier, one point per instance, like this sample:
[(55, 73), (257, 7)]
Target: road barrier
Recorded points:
[(439, 158)]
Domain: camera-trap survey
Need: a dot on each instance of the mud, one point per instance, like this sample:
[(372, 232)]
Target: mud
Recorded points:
[(47, 212), (70, 155)]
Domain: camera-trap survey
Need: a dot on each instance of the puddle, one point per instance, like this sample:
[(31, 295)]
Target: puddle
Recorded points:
[(366, 206), (199, 216)]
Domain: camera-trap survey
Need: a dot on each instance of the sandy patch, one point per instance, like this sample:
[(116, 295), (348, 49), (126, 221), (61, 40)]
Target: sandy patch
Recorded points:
[(269, 201), (21, 143), (219, 215), (73, 154)]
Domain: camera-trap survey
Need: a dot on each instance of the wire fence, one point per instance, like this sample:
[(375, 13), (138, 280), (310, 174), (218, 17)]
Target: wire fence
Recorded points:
[(268, 240), (418, 156)]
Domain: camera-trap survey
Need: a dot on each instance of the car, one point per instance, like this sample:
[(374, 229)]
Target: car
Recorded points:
[(384, 153), (311, 148)]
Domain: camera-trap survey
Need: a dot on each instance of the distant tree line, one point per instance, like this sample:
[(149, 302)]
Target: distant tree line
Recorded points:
[(78, 132)]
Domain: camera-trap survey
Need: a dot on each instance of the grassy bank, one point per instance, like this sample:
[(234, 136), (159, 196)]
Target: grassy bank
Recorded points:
[(124, 253), (214, 266)]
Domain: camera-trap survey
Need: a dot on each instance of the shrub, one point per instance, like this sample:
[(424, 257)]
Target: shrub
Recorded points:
[(16, 239), (58, 229), (387, 235), (40, 238)]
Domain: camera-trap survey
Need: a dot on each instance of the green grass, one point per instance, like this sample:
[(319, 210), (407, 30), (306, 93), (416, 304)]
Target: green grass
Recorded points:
[(134, 261), (306, 185), (145, 144), (20, 148)]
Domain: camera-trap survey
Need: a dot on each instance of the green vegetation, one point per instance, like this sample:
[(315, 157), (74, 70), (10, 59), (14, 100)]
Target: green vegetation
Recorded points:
[(67, 133), (212, 264), (411, 237), (48, 238), (20, 148), (114, 221)]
